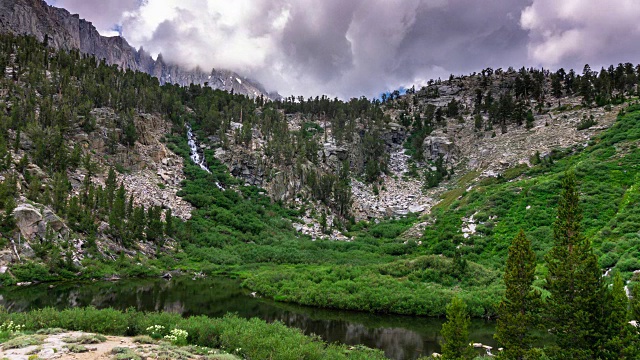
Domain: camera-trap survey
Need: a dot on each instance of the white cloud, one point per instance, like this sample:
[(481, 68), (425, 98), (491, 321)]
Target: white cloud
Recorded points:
[(364, 47), (574, 32)]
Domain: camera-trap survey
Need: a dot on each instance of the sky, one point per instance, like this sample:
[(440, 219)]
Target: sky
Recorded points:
[(352, 48)]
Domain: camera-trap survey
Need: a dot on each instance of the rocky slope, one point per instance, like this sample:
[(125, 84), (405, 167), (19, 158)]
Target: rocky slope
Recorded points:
[(64, 30), (150, 172), (471, 153)]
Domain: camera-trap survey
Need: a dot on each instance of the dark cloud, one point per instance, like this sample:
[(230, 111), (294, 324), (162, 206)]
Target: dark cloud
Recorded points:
[(315, 43), (363, 47)]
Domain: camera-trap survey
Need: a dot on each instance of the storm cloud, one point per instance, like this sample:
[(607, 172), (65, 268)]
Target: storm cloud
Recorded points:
[(364, 47), (574, 32)]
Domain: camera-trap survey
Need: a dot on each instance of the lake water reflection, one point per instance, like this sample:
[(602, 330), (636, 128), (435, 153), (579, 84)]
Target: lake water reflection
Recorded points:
[(400, 337)]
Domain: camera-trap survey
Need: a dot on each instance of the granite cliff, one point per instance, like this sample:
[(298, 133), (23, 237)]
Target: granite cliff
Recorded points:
[(63, 30)]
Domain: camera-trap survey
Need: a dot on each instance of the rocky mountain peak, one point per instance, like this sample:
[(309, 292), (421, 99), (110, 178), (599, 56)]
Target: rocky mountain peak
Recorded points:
[(63, 30)]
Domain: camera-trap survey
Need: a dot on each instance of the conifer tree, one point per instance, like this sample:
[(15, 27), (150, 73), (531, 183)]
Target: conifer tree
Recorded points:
[(619, 338), (61, 187), (168, 223), (154, 225), (8, 223), (117, 215), (33, 192), (573, 281), (455, 332), (137, 223), (516, 311), (110, 187)]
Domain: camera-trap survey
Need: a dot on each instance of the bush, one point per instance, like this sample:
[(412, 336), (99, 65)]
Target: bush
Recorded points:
[(254, 338)]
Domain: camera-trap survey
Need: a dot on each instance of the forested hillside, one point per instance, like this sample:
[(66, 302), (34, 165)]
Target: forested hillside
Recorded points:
[(77, 143)]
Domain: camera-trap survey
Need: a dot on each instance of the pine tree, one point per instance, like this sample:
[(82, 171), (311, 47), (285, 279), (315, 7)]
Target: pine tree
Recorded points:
[(117, 216), (168, 223), (8, 222), (619, 338), (634, 310), (455, 332), (573, 281), (61, 187), (110, 187), (154, 225), (517, 310), (137, 223), (33, 192)]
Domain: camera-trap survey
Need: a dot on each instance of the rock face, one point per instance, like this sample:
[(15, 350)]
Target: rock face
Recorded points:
[(67, 31), (438, 145), (33, 222), (155, 171), (28, 219)]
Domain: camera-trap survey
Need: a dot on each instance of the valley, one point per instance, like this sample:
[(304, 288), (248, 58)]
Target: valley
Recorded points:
[(364, 221)]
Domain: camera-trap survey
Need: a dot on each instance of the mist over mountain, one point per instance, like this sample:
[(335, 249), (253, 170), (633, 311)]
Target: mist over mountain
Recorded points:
[(355, 48), (67, 31)]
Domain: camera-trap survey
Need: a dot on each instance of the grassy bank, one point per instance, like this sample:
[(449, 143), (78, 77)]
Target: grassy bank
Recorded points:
[(251, 339)]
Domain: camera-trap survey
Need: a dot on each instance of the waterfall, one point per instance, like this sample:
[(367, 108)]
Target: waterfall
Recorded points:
[(195, 155)]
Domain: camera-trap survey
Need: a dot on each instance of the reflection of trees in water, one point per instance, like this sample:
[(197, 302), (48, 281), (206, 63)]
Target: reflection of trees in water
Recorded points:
[(397, 343), (401, 337)]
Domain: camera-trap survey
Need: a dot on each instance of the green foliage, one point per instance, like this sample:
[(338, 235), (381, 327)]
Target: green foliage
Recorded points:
[(85, 339), (587, 123), (255, 338), (23, 342), (608, 184), (518, 308), (75, 348), (573, 280), (455, 332)]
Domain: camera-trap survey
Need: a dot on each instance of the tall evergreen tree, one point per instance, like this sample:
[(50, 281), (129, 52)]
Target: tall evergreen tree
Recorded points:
[(455, 332), (110, 187), (117, 216), (517, 310), (620, 339), (574, 281), (168, 223)]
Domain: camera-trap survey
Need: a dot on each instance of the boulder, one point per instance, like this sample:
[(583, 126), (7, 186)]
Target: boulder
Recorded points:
[(35, 171), (417, 208), (29, 220), (52, 220), (435, 146)]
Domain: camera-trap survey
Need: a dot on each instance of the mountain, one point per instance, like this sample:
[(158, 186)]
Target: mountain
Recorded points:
[(67, 31), (425, 190)]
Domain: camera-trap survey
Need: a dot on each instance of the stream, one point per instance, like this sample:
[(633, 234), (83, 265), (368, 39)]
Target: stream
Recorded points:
[(195, 153), (400, 337)]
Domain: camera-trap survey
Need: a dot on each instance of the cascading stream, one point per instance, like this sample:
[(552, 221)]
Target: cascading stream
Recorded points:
[(195, 155)]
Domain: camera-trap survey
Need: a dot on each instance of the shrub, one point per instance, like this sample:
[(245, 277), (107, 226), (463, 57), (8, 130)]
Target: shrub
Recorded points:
[(254, 338), (9, 329), (177, 337)]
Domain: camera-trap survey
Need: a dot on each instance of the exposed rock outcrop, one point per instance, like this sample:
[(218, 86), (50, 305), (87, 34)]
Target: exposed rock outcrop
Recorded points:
[(439, 145), (29, 220)]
